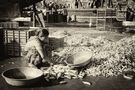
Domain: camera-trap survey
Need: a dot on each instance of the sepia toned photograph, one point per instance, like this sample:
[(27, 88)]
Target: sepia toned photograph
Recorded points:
[(67, 44)]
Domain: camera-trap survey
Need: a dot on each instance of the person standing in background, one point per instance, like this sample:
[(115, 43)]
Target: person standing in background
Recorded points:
[(65, 14), (102, 3), (89, 4), (40, 13), (76, 3), (98, 3), (79, 4), (110, 4), (93, 5), (130, 13)]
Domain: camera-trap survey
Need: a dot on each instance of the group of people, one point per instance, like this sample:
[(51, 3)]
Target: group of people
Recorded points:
[(52, 11), (100, 3), (56, 12), (94, 3)]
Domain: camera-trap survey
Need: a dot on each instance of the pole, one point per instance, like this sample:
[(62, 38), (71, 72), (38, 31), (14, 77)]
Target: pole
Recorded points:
[(34, 11)]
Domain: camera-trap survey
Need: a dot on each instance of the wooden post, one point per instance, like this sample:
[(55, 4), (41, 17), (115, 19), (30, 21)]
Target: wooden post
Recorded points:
[(34, 13)]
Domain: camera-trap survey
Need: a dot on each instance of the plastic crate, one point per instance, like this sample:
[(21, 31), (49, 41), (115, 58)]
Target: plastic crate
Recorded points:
[(1, 43), (101, 24), (14, 39), (101, 12), (9, 24)]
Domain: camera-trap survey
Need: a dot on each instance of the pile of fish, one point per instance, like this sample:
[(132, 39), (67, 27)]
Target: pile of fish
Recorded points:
[(61, 71), (85, 40), (114, 58), (109, 58)]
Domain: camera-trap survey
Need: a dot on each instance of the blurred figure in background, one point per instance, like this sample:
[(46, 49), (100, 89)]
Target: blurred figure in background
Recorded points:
[(130, 13), (109, 3), (90, 4), (76, 4), (65, 14), (97, 3), (79, 4), (102, 3)]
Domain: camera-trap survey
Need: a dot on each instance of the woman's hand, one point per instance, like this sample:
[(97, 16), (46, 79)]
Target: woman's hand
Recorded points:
[(45, 61)]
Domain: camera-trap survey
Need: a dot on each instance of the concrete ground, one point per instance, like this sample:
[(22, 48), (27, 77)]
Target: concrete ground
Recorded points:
[(92, 32), (97, 83)]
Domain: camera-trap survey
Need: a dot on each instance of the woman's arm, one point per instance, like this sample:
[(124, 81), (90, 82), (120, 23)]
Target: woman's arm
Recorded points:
[(26, 49), (42, 52), (39, 48)]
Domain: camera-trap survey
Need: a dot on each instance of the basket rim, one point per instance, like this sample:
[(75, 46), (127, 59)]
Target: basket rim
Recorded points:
[(80, 64), (20, 79)]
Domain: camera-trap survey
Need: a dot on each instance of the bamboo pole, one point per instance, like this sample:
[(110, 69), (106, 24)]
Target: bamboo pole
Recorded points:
[(34, 13)]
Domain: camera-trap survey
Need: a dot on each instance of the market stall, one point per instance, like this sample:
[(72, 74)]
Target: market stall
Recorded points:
[(77, 57)]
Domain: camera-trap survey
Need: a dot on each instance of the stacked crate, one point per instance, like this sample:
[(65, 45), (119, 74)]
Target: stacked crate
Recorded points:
[(1, 43), (9, 24), (101, 24), (14, 41), (110, 12), (101, 21), (103, 16), (101, 12)]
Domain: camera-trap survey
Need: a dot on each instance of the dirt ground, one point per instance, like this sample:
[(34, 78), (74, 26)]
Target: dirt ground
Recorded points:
[(98, 83)]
